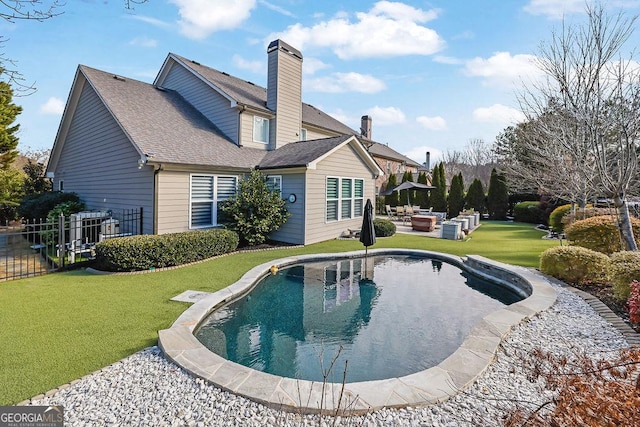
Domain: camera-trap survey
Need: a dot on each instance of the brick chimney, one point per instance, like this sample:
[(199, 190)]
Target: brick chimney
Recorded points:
[(365, 127), (284, 93)]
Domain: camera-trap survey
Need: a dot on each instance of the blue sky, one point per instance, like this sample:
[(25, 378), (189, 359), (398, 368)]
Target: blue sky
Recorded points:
[(432, 74)]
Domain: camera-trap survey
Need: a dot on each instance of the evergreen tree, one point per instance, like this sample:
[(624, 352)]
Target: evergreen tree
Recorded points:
[(455, 201), (403, 198), (35, 181), (497, 196), (438, 198), (8, 113), (422, 196), (476, 197), (391, 199)]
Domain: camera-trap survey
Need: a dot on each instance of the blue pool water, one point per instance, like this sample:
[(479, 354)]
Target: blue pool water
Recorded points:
[(383, 317)]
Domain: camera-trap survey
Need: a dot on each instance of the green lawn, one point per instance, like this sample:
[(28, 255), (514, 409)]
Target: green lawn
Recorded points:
[(59, 327)]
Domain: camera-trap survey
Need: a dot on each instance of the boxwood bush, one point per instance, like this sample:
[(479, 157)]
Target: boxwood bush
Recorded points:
[(575, 265), (529, 212), (384, 227), (165, 250), (555, 217), (624, 269), (599, 233)]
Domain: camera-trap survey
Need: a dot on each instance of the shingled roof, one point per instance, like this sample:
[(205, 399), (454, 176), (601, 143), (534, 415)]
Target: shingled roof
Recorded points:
[(157, 121), (301, 153), (252, 95)]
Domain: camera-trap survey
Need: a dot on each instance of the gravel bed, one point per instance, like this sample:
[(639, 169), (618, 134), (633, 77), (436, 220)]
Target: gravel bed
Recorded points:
[(147, 390)]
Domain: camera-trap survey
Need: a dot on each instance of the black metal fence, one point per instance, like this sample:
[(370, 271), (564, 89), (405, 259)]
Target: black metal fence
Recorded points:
[(36, 247)]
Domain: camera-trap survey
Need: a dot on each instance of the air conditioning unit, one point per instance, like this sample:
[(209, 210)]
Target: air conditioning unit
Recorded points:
[(109, 228)]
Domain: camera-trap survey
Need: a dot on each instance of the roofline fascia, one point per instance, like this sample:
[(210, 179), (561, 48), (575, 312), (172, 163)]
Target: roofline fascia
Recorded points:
[(189, 167), (366, 156), (162, 74)]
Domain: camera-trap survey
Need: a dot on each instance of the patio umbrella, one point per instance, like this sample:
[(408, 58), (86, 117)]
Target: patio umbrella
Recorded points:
[(367, 232), (408, 185)]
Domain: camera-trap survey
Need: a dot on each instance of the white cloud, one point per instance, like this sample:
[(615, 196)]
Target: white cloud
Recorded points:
[(144, 42), (554, 9), (386, 116), (503, 69), (343, 116), (441, 59), (149, 20), (345, 82), (200, 18), (312, 65), (419, 154), (498, 113), (432, 123), (253, 66), (389, 29), (54, 106)]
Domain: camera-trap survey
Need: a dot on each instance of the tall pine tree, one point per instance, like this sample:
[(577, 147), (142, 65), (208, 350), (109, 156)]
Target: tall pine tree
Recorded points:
[(497, 196), (422, 196), (476, 198), (455, 201), (438, 194), (391, 199), (8, 113)]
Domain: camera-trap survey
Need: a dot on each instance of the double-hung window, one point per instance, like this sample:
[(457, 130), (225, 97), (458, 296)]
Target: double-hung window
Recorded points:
[(274, 183), (207, 192), (261, 129), (344, 198)]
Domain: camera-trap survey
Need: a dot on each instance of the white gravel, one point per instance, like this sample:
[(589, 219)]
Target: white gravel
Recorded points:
[(147, 390)]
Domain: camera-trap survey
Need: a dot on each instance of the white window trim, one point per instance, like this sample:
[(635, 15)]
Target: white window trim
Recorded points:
[(214, 202), (279, 179), (340, 199), (263, 120), (303, 134)]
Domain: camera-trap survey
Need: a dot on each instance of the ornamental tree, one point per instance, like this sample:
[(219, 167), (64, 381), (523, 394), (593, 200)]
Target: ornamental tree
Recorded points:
[(255, 210)]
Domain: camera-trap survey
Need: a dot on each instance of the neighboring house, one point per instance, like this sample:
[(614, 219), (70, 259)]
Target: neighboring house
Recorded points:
[(178, 147)]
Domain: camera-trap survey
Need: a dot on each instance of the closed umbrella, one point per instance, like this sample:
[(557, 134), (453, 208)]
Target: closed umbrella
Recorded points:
[(367, 231)]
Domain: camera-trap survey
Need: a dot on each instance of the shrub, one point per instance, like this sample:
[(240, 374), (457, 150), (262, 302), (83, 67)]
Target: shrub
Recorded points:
[(255, 210), (8, 211), (599, 233), (634, 302), (384, 227), (555, 218), (529, 212), (575, 265), (624, 269), (165, 250), (37, 206), (583, 213)]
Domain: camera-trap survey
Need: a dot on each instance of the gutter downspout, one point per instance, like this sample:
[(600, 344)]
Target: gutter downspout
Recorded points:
[(156, 171)]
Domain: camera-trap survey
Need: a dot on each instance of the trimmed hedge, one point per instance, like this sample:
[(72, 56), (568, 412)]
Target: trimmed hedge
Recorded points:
[(145, 252), (529, 212), (575, 264), (555, 217), (384, 227), (624, 269), (599, 233)]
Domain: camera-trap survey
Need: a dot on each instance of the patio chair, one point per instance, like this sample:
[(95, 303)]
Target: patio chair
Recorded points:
[(399, 212), (390, 213)]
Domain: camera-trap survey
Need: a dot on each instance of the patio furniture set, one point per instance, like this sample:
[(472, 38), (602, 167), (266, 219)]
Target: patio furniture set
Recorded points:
[(428, 221)]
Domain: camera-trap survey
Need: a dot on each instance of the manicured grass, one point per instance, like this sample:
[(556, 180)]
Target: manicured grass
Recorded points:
[(59, 327)]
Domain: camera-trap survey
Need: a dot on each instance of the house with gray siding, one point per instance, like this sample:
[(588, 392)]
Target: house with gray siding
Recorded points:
[(179, 146)]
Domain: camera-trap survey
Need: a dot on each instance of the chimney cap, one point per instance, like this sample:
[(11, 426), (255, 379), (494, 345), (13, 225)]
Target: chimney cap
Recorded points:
[(279, 44)]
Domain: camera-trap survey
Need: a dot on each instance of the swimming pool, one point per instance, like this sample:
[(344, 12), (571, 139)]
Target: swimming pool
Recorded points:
[(357, 319), (431, 385)]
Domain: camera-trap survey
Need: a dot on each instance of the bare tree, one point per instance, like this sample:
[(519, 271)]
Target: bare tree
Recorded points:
[(584, 117), (32, 10), (475, 160)]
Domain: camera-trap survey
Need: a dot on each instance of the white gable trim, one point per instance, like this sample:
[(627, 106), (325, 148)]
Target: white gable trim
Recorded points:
[(357, 145)]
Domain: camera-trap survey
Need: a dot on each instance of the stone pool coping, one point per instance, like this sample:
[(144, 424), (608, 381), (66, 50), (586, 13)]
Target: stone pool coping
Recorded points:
[(430, 386)]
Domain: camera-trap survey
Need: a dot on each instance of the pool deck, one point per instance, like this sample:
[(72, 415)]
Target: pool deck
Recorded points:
[(430, 386)]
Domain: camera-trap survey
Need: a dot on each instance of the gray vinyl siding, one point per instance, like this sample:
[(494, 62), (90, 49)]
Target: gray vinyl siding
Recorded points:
[(344, 163), (104, 172), (246, 138), (210, 103), (293, 230), (174, 198)]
